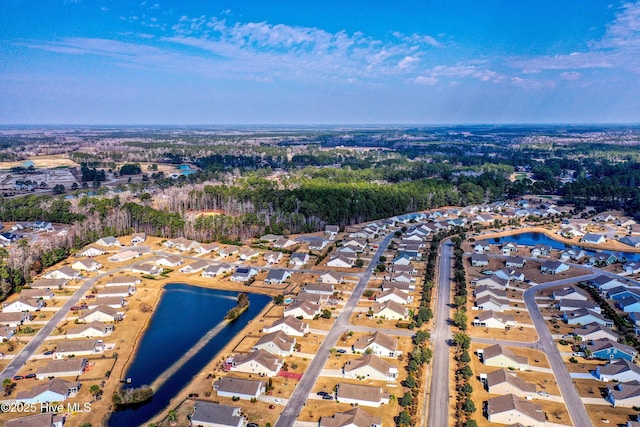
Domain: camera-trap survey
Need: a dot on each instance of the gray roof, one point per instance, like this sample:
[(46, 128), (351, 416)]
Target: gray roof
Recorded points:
[(239, 386), (208, 412), (511, 402), (45, 419)]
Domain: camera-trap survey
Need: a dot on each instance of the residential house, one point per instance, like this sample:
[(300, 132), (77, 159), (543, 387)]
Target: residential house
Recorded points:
[(277, 343), (277, 276), (45, 419), (182, 244), (572, 254), (399, 278), (194, 267), (633, 241), (122, 291), (22, 304), (594, 331), (103, 313), (583, 316), (258, 362), (284, 243), (593, 238), (514, 262), (42, 226), (228, 251), (332, 231), (624, 395), (629, 304), (509, 248), (289, 325), (91, 251), (403, 269), (56, 390), (90, 330), (123, 280), (77, 348), (14, 319), (604, 283), (86, 265), (481, 246), (352, 418), (631, 267), (491, 303), (361, 395), (511, 409), (147, 269), (299, 259), (248, 253), (123, 256), (207, 248), (270, 238), (320, 288), (62, 273), (62, 368), (553, 267), (603, 259), (169, 261), (479, 260), (541, 251), (214, 270), (494, 320), (390, 310), (243, 274), (239, 388), (403, 286), (621, 370), (318, 244), (43, 294), (7, 238), (341, 261), (483, 290), (272, 257), (396, 295), (502, 357), (138, 238), (503, 382), (379, 344), (114, 302), (370, 367), (208, 414), (621, 292), (491, 282), (304, 310), (508, 274), (109, 241), (572, 304), (606, 349), (570, 293)]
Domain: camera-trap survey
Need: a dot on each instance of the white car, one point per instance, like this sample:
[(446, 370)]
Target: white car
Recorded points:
[(277, 400)]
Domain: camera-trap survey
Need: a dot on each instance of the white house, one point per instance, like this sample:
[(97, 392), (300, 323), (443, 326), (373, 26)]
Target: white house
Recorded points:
[(355, 417), (396, 295), (290, 326), (86, 265), (593, 238), (361, 395), (62, 368), (390, 310), (169, 261), (511, 409), (214, 270), (492, 319), (125, 255), (22, 304), (208, 414), (258, 362), (277, 343), (239, 387), (63, 273), (370, 367), (303, 309), (90, 330), (91, 251), (378, 343), (77, 348), (341, 261), (108, 241)]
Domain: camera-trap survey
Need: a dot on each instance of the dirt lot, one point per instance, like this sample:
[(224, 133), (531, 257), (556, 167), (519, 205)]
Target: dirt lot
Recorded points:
[(521, 334), (613, 416)]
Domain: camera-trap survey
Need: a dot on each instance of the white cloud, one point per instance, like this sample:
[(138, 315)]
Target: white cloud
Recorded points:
[(570, 75), (408, 62)]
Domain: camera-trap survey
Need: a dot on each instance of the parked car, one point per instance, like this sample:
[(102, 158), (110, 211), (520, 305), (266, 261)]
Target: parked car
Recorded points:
[(75, 308), (252, 425), (30, 376), (18, 377), (341, 351), (322, 393), (327, 397), (277, 400), (48, 353)]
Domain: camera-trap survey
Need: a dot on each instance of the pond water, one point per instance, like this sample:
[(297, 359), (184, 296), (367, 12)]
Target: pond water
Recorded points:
[(184, 315), (532, 239)]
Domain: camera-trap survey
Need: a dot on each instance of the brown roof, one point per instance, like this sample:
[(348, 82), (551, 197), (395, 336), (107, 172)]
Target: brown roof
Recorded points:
[(48, 283), (64, 365), (355, 417), (116, 289), (369, 360), (306, 306), (103, 309), (95, 325), (361, 392), (279, 338), (261, 357), (497, 350), (380, 338), (510, 402), (504, 318), (292, 322), (502, 375), (75, 345), (391, 305)]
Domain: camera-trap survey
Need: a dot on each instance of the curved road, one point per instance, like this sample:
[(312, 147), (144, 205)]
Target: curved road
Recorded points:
[(546, 344), (341, 324), (439, 388)]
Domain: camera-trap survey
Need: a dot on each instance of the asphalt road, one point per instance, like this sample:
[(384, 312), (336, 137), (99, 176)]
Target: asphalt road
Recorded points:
[(546, 344), (341, 324), (21, 358), (438, 415)]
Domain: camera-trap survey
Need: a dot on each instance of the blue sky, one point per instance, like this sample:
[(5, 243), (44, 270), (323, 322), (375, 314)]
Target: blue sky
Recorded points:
[(319, 62)]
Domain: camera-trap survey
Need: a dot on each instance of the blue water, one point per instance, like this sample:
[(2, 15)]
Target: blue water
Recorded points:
[(185, 313), (532, 239)]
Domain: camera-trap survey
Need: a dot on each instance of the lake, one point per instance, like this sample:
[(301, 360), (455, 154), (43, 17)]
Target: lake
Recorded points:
[(183, 316), (532, 239)]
